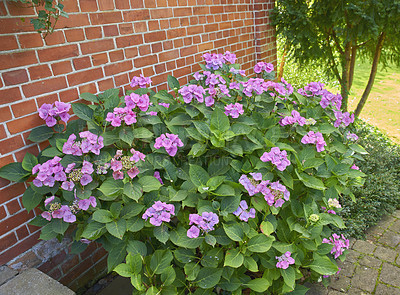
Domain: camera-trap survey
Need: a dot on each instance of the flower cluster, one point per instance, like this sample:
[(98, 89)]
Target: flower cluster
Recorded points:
[(237, 72), (67, 213), (135, 100), (121, 114), (215, 61), (312, 89), (331, 99), (276, 157), (242, 212), (351, 136), (283, 88), (49, 112), (314, 138), (343, 119), (340, 243), (170, 142), (141, 81), (234, 110), (254, 84), (83, 175), (159, 212), (205, 222), (355, 167), (158, 176), (90, 143), (122, 163), (332, 203), (274, 193), (192, 91), (49, 172), (263, 66), (285, 260), (295, 118)]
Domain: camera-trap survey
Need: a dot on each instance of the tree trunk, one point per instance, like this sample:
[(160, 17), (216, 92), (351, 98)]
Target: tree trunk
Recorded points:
[(283, 61), (352, 66), (346, 60), (372, 75)]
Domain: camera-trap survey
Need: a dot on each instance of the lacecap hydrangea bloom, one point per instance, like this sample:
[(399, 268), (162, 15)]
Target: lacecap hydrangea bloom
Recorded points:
[(340, 243), (285, 260), (121, 114), (82, 175), (204, 222), (242, 212), (215, 61), (276, 157), (170, 142), (314, 138), (159, 212), (51, 112), (49, 172), (234, 110), (90, 143), (120, 163)]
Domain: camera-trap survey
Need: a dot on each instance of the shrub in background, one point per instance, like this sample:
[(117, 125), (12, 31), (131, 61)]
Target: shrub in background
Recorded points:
[(230, 183)]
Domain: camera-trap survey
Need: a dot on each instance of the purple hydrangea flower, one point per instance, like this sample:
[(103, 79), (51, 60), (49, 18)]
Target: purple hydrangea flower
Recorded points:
[(158, 176), (343, 119), (351, 136), (213, 79), (274, 193), (49, 172), (263, 66), (135, 100), (340, 243), (242, 212), (50, 112), (254, 84), (355, 167), (285, 260), (158, 213), (213, 61), (314, 138), (192, 91), (276, 157), (248, 184), (237, 72), (230, 57), (204, 222), (90, 143), (165, 105), (121, 114), (84, 204), (234, 110), (295, 118), (197, 76), (170, 142), (140, 81), (193, 232)]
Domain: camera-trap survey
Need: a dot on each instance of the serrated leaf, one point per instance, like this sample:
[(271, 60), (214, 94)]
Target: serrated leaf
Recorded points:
[(40, 134), (160, 261), (260, 243), (82, 111), (219, 121), (149, 183), (89, 97), (233, 258), (323, 265), (102, 216), (259, 285), (117, 228), (29, 162), (14, 172), (234, 232), (208, 277), (198, 175), (142, 132)]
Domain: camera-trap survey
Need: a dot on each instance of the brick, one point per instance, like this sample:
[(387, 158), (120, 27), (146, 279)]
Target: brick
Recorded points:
[(161, 13), (125, 29), (24, 108), (5, 114), (167, 45), (182, 11), (144, 50), (154, 25), (188, 50), (53, 262), (55, 274), (160, 68), (38, 72), (88, 5), (82, 63), (24, 123), (55, 38), (154, 36), (14, 221), (18, 59), (99, 59), (75, 272), (74, 35), (7, 241), (176, 33), (3, 10), (116, 55), (73, 21), (145, 61), (106, 5), (13, 207), (8, 43), (128, 41), (131, 52), (21, 154), (84, 76), (22, 232), (136, 15), (117, 68), (44, 86), (61, 68), (58, 53), (14, 25), (10, 95), (137, 4), (72, 5), (97, 46), (19, 248), (15, 77), (69, 95), (140, 27), (110, 31), (105, 18), (19, 9), (122, 4), (3, 214), (105, 84), (169, 55), (122, 79), (93, 33), (4, 161), (91, 88), (192, 30), (70, 263), (156, 47)]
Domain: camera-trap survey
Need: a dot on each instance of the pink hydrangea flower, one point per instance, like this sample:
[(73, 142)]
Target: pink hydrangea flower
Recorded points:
[(51, 112), (285, 260), (192, 91), (158, 213), (263, 66), (295, 118), (140, 81), (276, 157), (242, 212), (204, 222), (84, 204), (314, 138), (340, 243), (170, 142), (234, 110)]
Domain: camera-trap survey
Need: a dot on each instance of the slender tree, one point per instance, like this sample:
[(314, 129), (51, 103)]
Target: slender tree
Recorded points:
[(335, 33)]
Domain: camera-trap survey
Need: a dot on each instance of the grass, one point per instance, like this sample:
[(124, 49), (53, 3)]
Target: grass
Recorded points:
[(382, 108)]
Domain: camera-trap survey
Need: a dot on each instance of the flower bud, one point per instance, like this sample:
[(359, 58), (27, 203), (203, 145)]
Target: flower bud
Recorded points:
[(313, 218)]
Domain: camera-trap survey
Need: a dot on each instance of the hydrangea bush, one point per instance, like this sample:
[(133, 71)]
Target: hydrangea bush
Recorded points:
[(226, 184)]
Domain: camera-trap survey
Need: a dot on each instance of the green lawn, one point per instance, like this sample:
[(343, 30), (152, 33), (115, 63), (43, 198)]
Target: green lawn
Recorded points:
[(382, 108)]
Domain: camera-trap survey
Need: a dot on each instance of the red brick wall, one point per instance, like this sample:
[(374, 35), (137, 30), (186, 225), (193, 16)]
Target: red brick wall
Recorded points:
[(102, 45)]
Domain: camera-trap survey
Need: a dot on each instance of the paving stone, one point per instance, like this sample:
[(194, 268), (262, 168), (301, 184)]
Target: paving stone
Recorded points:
[(390, 275), (364, 247), (340, 283), (6, 273), (334, 292), (396, 213), (386, 221), (390, 239), (396, 226), (398, 260), (355, 291), (370, 261), (352, 256), (386, 290), (385, 254), (364, 278), (347, 267)]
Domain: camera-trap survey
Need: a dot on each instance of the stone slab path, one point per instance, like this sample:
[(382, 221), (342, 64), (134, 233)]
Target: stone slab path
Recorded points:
[(371, 266)]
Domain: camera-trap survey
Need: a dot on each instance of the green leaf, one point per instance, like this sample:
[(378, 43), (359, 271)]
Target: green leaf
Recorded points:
[(179, 237), (289, 276), (142, 132), (102, 216), (326, 128), (31, 199), (250, 264), (173, 83), (211, 240), (161, 233), (110, 97), (208, 277), (124, 270), (323, 265), (219, 121), (51, 152), (14, 172), (198, 149), (311, 181), (168, 276), (136, 281), (267, 228), (225, 190), (94, 230), (59, 226), (89, 97), (134, 224), (177, 196), (127, 135), (29, 162), (202, 128), (149, 183), (133, 191), (260, 243), (117, 228), (358, 148), (111, 189), (185, 255), (234, 232), (82, 111), (136, 247), (241, 129), (233, 258), (135, 262), (160, 261), (116, 256), (313, 163), (198, 175), (40, 134), (131, 210), (230, 204), (259, 285)]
